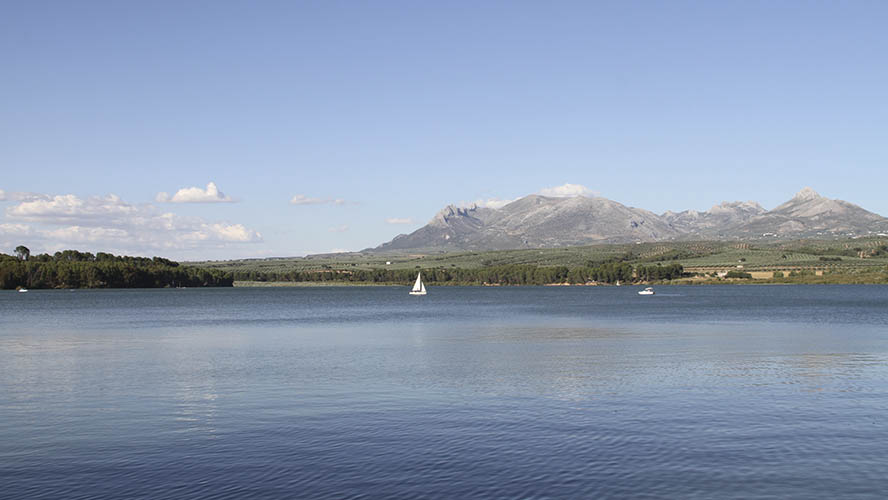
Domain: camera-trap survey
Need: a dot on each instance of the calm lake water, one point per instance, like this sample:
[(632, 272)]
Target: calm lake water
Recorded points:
[(550, 392)]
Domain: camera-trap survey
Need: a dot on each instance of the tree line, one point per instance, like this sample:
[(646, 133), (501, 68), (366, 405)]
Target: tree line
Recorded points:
[(512, 274), (73, 269)]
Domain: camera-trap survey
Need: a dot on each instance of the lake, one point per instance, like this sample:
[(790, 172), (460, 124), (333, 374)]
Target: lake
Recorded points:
[(469, 392)]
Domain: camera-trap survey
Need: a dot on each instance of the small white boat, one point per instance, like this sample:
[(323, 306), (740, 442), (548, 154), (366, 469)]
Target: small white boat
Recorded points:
[(647, 291), (23, 290), (418, 287)]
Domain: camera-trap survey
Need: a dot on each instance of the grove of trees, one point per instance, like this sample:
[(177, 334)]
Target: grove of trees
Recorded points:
[(73, 269), (515, 274)]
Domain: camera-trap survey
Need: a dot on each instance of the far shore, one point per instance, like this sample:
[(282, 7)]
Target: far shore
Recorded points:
[(678, 282), (279, 284)]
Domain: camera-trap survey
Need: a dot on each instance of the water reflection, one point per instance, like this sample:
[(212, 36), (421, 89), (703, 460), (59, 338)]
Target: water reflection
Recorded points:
[(577, 363), (524, 393)]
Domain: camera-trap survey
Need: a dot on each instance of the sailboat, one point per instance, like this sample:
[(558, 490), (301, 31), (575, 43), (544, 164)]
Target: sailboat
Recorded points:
[(418, 287)]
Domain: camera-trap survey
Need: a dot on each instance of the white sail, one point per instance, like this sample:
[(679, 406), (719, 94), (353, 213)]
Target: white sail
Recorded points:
[(419, 286)]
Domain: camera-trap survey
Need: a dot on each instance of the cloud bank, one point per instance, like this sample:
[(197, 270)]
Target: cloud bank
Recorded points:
[(109, 223), (20, 196), (196, 195)]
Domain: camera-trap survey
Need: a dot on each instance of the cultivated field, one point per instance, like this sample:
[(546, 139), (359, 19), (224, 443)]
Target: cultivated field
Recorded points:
[(810, 257)]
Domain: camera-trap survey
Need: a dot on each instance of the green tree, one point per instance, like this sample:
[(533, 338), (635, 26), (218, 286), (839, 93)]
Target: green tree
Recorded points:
[(22, 252)]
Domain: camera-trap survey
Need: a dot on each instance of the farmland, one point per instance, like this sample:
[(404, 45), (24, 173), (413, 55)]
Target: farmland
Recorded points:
[(852, 260)]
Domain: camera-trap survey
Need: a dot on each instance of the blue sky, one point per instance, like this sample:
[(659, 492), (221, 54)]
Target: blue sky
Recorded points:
[(375, 115)]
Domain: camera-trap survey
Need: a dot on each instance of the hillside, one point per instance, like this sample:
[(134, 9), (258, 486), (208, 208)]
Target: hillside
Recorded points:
[(838, 256), (536, 221)]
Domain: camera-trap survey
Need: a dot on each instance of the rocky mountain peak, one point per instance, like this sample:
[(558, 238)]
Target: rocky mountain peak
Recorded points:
[(807, 194), (734, 206), (451, 211)]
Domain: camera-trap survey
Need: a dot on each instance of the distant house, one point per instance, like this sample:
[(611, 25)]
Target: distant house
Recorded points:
[(721, 274)]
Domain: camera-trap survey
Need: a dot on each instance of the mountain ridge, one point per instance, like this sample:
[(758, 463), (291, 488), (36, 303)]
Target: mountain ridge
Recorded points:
[(537, 221)]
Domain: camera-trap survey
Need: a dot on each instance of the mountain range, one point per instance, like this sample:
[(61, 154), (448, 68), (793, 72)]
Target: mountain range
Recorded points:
[(536, 221)]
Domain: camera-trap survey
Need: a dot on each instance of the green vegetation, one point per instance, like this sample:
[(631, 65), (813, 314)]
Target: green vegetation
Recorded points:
[(738, 275), (22, 252), (849, 260), (73, 269), (863, 260), (514, 274), (859, 276)]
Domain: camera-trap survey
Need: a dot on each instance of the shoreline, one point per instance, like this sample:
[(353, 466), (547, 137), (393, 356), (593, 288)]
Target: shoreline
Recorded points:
[(342, 284), (684, 282)]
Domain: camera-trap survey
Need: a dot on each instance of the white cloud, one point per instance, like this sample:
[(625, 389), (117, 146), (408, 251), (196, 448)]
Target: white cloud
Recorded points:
[(196, 195), (301, 199), (567, 190), (15, 230), (21, 196), (494, 203), (108, 223), (221, 232), (338, 229), (80, 234), (68, 207), (399, 220)]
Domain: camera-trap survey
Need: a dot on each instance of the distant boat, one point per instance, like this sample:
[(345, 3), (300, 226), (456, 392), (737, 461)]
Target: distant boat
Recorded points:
[(23, 290), (418, 287), (618, 282), (647, 291)]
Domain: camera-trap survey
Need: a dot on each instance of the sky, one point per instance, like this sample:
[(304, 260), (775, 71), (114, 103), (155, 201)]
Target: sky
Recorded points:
[(213, 129)]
